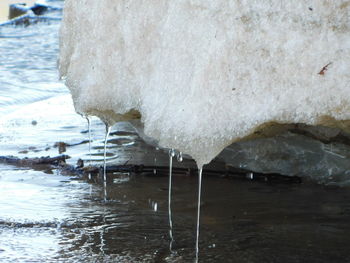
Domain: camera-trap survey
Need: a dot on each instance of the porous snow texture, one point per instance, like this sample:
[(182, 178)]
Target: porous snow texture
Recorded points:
[(204, 73)]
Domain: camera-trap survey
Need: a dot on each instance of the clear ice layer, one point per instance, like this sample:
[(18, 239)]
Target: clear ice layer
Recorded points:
[(202, 74)]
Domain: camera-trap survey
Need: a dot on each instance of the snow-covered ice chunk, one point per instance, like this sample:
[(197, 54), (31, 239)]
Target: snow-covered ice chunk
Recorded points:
[(201, 73)]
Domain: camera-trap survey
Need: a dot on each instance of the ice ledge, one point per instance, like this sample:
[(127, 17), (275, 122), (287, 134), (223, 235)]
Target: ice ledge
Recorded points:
[(316, 152)]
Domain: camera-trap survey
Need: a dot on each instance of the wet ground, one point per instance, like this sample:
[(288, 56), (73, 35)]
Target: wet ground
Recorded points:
[(50, 216)]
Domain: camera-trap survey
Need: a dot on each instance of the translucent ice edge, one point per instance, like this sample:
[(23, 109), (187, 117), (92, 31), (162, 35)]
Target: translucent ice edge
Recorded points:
[(200, 73)]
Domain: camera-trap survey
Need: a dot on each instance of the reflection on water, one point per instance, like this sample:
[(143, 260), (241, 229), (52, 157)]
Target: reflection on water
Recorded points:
[(46, 216), (242, 221)]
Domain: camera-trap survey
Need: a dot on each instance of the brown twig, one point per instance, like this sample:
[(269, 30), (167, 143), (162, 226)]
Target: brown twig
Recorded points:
[(324, 69)]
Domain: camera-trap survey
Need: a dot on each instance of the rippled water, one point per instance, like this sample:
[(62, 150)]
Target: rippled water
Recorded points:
[(50, 216)]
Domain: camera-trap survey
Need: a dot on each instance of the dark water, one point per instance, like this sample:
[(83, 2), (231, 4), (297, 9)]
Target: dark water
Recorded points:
[(51, 216)]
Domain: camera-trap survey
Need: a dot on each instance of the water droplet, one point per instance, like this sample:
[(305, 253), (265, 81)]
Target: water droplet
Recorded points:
[(250, 176), (63, 77), (179, 157), (172, 152)]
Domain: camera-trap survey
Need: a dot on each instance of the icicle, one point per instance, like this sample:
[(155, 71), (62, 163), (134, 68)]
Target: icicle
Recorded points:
[(199, 210), (89, 131), (171, 155), (108, 130)]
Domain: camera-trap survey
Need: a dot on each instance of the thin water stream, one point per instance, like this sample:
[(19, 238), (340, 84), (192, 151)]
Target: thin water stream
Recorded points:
[(89, 132), (171, 155), (108, 130), (198, 211)]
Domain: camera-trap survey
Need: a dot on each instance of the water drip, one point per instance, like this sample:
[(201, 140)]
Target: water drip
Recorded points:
[(155, 160), (108, 130), (179, 157), (89, 131), (171, 155), (198, 210), (250, 176), (155, 164)]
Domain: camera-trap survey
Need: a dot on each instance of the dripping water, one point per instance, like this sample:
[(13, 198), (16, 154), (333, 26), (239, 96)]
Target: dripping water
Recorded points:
[(179, 157), (171, 155), (198, 210), (89, 131), (108, 130), (155, 163)]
